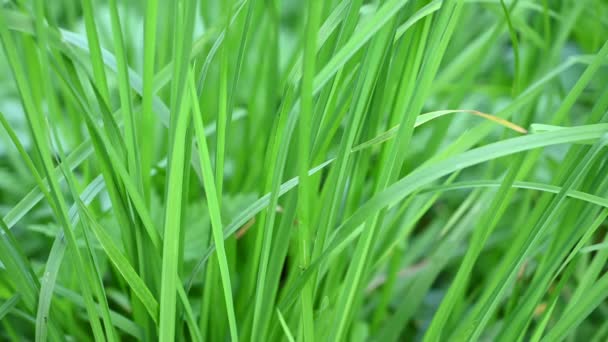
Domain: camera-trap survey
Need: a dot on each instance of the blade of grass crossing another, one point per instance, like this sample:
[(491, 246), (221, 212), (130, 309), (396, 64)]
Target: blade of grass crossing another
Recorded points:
[(14, 262), (474, 325), (93, 265), (279, 152), (481, 233), (90, 266), (8, 305), (121, 263), (56, 199), (214, 207), (373, 60), (265, 200), (439, 38), (424, 175)]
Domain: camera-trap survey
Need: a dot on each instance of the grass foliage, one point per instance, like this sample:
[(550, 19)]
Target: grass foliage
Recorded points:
[(339, 170)]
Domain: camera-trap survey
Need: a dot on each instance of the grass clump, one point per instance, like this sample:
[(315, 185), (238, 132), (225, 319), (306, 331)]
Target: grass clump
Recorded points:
[(340, 170)]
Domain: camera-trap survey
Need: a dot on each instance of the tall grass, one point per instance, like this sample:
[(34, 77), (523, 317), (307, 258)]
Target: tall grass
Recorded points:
[(339, 170)]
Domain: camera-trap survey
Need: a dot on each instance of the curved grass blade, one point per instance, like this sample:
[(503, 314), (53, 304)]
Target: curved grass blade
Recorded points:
[(428, 173), (579, 195), (264, 201)]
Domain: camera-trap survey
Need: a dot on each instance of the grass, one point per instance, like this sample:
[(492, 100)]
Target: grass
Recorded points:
[(340, 170)]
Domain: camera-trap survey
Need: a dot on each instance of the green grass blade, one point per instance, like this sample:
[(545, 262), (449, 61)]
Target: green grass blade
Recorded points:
[(214, 209), (172, 227)]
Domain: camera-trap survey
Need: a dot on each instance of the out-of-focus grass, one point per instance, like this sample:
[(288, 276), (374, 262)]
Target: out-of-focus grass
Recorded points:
[(303, 170)]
